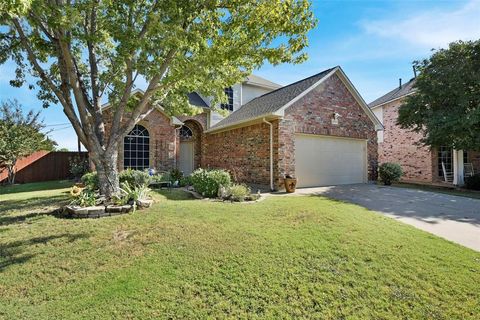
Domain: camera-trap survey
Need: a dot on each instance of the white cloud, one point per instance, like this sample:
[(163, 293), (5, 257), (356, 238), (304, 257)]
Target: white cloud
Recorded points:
[(430, 29)]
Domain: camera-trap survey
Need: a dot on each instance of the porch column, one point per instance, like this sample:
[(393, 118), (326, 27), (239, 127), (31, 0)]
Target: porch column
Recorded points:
[(458, 167)]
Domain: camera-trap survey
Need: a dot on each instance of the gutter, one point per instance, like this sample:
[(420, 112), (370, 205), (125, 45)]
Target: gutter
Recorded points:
[(391, 100), (271, 153), (242, 123)]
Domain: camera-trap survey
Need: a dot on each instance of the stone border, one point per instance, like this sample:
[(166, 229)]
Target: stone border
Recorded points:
[(95, 211), (198, 196)]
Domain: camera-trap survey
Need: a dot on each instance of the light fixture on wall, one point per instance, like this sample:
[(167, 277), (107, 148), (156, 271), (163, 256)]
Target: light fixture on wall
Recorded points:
[(335, 118)]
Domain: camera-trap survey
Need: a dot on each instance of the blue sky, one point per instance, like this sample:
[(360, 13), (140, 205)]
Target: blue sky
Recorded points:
[(373, 41)]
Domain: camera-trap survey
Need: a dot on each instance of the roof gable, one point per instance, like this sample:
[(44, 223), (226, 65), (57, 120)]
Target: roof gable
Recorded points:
[(270, 102), (276, 102)]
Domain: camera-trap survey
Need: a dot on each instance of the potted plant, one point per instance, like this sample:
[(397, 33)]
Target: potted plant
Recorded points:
[(290, 183)]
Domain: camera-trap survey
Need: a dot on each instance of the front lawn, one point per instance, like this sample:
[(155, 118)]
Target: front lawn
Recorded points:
[(285, 257)]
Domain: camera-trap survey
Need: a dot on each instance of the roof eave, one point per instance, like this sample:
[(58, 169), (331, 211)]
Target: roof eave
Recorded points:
[(262, 85), (243, 123), (394, 99)]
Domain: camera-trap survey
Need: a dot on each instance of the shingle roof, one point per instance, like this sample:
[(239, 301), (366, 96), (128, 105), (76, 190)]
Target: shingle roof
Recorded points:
[(396, 93), (270, 102), (259, 81), (196, 100)]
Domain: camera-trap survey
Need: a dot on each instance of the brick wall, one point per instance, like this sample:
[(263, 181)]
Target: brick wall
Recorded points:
[(401, 146), (312, 114), (245, 152)]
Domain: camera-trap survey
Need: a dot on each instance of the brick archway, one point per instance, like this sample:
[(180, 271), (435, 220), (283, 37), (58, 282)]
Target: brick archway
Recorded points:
[(196, 138)]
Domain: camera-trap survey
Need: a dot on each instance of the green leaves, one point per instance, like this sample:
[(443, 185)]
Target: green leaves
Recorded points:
[(446, 106), (216, 42), (84, 52), (20, 135)]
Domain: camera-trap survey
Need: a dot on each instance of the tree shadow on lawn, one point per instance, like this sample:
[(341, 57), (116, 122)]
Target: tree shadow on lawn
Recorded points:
[(29, 208), (428, 207), (12, 253), (35, 186), (174, 194)]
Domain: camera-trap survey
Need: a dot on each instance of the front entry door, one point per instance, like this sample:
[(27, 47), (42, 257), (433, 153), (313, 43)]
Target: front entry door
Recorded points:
[(186, 157)]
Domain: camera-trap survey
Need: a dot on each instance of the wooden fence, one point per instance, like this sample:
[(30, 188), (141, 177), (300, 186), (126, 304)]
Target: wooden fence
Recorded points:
[(44, 166)]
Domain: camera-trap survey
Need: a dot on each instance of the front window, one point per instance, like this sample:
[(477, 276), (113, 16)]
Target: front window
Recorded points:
[(445, 156), (228, 106), (136, 149), (186, 133)]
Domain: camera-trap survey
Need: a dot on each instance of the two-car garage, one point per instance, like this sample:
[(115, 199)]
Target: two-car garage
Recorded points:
[(327, 160)]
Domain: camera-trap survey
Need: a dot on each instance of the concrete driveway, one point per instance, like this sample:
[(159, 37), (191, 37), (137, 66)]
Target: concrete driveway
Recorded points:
[(451, 217)]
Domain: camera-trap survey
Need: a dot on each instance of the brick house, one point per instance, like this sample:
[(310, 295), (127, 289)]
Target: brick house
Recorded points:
[(318, 130), (421, 164)]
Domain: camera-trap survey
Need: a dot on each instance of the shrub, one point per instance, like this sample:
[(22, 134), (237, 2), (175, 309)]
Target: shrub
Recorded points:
[(185, 181), (176, 175), (238, 192), (90, 180), (131, 193), (157, 178), (135, 178), (390, 172), (473, 182), (78, 166), (207, 182)]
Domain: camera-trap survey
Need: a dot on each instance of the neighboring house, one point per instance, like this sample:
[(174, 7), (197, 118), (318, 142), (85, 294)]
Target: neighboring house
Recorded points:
[(420, 164), (318, 130)]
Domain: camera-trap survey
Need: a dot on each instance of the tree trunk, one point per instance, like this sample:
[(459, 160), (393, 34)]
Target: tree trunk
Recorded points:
[(11, 174), (107, 171)]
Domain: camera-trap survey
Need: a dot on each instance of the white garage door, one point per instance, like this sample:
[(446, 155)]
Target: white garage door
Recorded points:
[(325, 160)]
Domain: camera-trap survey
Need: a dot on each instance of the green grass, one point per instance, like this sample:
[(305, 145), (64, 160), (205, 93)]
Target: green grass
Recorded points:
[(35, 186), (285, 257), (445, 190)]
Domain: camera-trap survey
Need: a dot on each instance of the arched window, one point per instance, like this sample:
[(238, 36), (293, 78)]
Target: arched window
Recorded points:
[(186, 133), (136, 149)]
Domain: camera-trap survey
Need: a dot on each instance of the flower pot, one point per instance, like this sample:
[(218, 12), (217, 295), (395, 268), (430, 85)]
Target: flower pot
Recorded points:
[(290, 184)]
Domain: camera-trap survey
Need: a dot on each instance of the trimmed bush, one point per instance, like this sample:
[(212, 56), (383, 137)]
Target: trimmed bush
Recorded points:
[(90, 180), (135, 178), (239, 192), (207, 182), (390, 172), (473, 182)]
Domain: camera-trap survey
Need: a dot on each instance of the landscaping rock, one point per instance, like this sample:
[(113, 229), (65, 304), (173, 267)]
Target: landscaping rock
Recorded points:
[(77, 210), (118, 209), (95, 210), (144, 203)]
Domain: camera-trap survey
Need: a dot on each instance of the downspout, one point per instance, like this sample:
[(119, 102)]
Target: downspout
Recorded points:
[(176, 130), (271, 153)]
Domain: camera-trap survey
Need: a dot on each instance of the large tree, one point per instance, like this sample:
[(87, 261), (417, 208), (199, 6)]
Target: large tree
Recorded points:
[(20, 136), (84, 52), (446, 105)]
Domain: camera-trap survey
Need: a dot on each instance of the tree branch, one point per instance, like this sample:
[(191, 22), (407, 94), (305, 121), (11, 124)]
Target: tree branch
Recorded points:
[(143, 105), (67, 105)]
